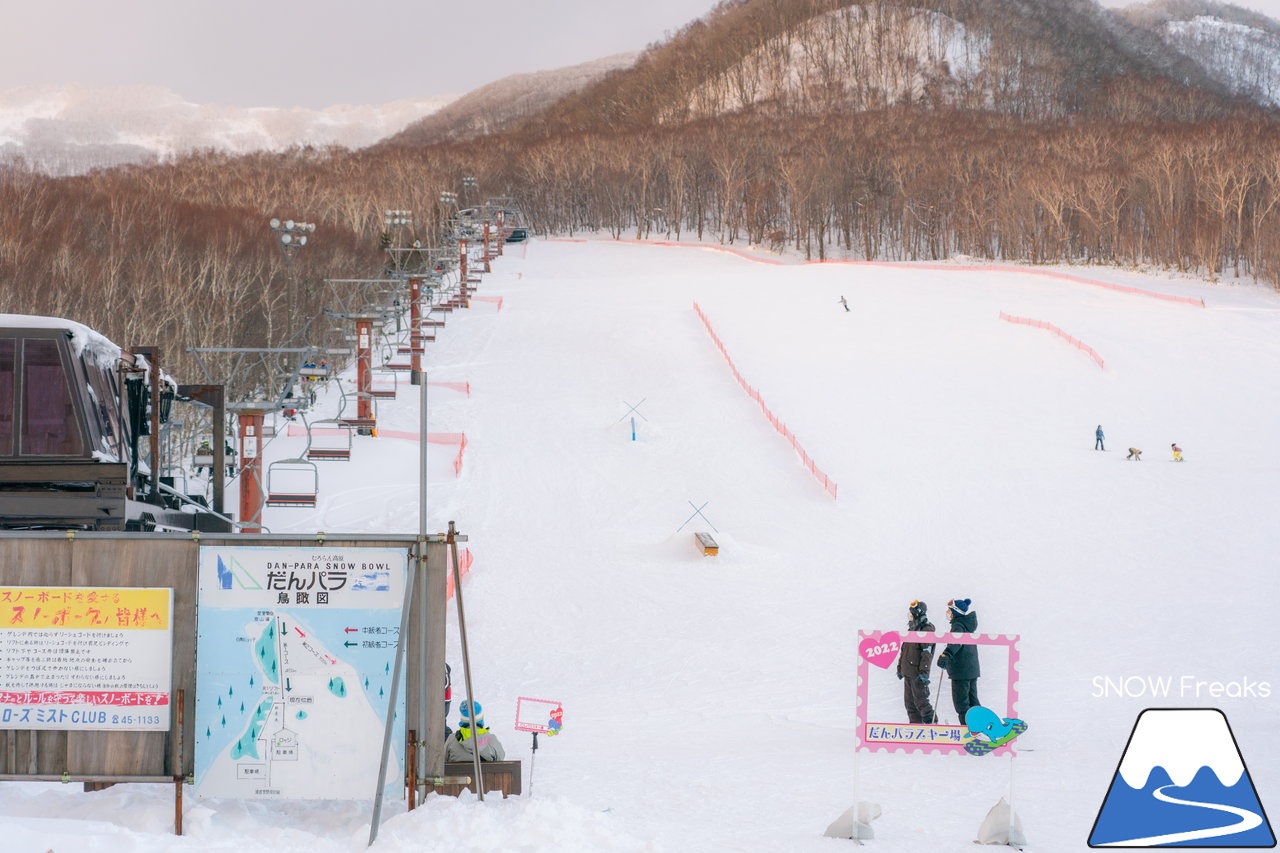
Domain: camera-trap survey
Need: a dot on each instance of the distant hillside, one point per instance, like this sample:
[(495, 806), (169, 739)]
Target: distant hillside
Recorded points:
[(71, 129), (1030, 58), (504, 102), (1238, 48)]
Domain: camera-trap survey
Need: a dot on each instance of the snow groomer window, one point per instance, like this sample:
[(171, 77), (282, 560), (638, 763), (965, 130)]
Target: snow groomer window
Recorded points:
[(49, 425)]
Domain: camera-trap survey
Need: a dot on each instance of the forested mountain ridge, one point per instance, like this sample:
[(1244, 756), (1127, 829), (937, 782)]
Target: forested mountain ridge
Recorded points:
[(1238, 48), (1023, 130)]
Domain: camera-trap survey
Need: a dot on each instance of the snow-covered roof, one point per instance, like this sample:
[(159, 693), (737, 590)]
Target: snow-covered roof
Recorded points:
[(83, 339)]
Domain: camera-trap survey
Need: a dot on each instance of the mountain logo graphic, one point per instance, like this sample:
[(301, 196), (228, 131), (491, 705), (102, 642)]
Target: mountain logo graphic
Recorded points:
[(1182, 782), (235, 572)]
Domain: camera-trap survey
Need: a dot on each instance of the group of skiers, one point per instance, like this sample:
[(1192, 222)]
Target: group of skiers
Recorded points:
[(229, 456), (958, 660), (1134, 453)]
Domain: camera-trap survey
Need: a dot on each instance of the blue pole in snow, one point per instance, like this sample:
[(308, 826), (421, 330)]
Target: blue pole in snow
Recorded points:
[(633, 429)]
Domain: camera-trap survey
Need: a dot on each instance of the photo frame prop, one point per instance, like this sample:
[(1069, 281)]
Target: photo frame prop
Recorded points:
[(880, 714), (540, 716)]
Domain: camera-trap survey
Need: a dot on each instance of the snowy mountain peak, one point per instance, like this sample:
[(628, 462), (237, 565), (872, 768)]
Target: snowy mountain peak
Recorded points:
[(70, 129), (1181, 741)]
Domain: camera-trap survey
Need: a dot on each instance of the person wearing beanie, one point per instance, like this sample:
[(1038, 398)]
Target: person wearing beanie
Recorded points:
[(1098, 438), (960, 660), (914, 662), (473, 737)]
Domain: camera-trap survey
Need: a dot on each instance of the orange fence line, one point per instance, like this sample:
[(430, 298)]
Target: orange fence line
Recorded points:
[(1078, 279), (464, 568), (465, 387), (458, 438), (827, 483), (496, 300), (1041, 324)]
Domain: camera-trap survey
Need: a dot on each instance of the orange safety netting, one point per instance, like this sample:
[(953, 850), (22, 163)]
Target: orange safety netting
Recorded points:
[(464, 568), (496, 300), (464, 387), (458, 438), (1120, 288), (827, 482), (1041, 324)]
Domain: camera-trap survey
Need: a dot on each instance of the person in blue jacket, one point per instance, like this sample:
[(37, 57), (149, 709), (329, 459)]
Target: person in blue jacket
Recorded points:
[(1098, 445), (960, 660)]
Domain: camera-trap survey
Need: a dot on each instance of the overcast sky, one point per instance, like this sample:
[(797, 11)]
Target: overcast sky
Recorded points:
[(317, 53)]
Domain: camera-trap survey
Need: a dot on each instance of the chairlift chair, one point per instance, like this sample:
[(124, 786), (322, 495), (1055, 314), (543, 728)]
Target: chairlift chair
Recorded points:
[(380, 388), (338, 450), (314, 372), (292, 482)]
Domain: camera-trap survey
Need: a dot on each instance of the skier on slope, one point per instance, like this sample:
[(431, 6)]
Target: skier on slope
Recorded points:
[(1177, 452), (1098, 436), (1134, 453), (960, 660), (914, 662), (465, 743), (844, 302)]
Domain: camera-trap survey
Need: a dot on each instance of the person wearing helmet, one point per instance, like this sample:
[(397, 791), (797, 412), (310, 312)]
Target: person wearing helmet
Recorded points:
[(473, 737), (914, 662)]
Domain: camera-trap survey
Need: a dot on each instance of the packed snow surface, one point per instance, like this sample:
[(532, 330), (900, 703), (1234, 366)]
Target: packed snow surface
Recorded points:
[(709, 701)]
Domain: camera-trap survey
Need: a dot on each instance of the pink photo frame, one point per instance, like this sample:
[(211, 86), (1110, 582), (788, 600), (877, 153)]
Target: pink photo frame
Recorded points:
[(535, 715), (880, 648)]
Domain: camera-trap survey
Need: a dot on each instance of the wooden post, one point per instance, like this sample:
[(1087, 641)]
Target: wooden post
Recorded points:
[(411, 759), (178, 776)]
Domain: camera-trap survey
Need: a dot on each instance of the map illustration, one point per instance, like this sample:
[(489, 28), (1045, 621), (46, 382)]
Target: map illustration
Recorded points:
[(295, 653)]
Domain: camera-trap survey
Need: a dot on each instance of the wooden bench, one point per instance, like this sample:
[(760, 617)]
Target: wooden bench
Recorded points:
[(707, 544), (501, 776)]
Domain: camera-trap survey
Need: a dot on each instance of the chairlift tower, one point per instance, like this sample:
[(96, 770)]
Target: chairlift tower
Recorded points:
[(422, 268), (268, 390), (357, 301)]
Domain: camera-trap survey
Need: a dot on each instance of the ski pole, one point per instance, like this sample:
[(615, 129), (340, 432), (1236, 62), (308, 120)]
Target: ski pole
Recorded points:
[(937, 711)]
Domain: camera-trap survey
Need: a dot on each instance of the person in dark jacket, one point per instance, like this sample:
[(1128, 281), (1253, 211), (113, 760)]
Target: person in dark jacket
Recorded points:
[(960, 660), (914, 662)]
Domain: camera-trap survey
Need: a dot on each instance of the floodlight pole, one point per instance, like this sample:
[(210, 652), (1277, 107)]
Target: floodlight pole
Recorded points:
[(293, 236)]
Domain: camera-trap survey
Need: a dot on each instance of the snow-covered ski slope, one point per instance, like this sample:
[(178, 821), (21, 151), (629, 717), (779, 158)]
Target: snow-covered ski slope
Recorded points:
[(709, 700)]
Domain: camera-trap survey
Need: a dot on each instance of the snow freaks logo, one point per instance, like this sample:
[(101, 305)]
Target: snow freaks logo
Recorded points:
[(1185, 687), (1181, 782)]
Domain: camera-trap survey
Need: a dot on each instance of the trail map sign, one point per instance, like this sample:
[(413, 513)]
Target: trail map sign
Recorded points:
[(295, 651), (85, 658)]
